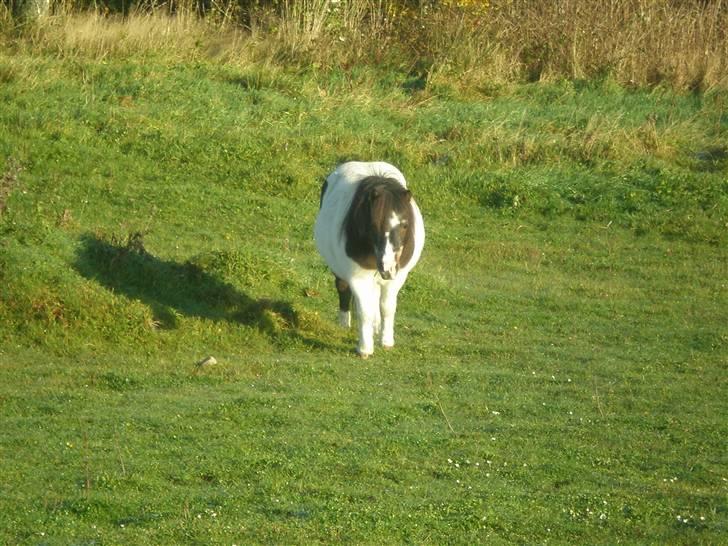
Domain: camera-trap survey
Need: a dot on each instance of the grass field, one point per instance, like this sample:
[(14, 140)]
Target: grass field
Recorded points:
[(560, 373)]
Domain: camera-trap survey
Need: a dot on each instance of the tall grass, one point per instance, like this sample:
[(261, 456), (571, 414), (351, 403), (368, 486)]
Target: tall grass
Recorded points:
[(635, 42), (176, 31)]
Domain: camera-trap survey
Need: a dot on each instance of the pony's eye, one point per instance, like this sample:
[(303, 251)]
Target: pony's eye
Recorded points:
[(405, 224)]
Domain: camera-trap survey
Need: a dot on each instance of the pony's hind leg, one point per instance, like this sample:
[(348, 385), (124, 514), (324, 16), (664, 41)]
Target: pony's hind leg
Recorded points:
[(344, 290)]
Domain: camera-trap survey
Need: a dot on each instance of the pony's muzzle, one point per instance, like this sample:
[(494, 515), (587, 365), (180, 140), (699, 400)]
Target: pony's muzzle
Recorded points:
[(387, 260), (386, 272)]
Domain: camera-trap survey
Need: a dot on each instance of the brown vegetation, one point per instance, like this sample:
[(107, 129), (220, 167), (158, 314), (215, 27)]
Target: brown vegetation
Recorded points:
[(680, 43)]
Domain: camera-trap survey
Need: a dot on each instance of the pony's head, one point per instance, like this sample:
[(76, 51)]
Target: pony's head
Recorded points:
[(379, 225), (391, 215)]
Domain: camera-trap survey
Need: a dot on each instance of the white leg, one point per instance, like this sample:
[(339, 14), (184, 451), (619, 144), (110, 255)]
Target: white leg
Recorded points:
[(366, 294), (345, 319), (388, 306), (377, 322)]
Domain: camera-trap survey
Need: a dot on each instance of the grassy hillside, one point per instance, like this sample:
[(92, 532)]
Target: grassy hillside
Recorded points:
[(561, 361)]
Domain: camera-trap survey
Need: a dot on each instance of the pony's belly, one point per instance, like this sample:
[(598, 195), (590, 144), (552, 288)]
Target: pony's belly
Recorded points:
[(331, 248), (327, 229)]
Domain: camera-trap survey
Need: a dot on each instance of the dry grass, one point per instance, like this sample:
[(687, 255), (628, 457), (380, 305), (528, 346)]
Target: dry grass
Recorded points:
[(173, 32), (100, 36), (329, 34), (636, 42), (643, 42)]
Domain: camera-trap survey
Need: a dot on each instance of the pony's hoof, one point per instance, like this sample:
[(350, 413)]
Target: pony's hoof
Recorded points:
[(388, 347), (362, 355)]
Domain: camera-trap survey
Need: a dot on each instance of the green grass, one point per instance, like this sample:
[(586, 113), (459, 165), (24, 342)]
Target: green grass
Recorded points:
[(560, 373)]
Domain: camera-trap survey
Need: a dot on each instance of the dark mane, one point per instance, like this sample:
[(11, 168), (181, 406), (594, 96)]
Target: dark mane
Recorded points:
[(374, 201)]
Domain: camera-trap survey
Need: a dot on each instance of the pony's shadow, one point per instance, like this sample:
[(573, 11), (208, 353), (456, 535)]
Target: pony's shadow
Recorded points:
[(172, 289)]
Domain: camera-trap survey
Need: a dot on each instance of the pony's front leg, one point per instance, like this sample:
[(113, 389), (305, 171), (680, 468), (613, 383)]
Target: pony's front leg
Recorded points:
[(388, 305), (367, 303)]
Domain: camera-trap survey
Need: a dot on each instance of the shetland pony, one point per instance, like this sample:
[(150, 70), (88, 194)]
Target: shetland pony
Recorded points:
[(370, 233)]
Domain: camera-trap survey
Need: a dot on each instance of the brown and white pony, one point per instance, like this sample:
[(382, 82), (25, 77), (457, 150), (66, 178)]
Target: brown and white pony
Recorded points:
[(370, 232)]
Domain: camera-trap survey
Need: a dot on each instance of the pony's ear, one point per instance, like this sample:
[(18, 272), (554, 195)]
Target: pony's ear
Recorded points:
[(407, 196), (375, 193)]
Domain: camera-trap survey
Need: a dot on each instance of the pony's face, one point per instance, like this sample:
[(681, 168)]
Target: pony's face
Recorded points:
[(388, 244)]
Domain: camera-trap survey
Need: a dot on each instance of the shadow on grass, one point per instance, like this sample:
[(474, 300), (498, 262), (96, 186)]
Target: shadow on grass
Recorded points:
[(171, 289)]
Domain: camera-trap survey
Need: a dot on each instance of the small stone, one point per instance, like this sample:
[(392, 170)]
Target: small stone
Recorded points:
[(205, 362)]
